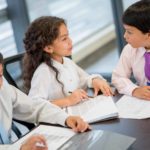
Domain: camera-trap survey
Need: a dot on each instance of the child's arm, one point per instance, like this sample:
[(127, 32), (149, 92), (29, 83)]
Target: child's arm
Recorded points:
[(75, 97), (95, 81), (122, 73), (101, 85), (86, 80)]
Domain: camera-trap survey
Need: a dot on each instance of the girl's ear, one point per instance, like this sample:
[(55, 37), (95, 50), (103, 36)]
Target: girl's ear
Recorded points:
[(48, 49)]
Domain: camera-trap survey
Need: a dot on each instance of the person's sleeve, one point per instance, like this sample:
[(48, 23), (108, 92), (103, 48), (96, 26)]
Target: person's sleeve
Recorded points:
[(85, 78), (122, 73), (40, 84), (9, 147), (26, 109)]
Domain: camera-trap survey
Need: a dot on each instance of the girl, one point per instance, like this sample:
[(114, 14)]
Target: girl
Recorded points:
[(52, 76), (135, 57)]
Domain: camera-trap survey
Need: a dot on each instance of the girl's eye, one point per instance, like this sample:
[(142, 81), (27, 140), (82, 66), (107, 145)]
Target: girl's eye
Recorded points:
[(129, 32), (64, 39)]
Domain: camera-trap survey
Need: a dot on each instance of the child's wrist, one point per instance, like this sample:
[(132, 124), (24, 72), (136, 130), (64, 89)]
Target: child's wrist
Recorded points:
[(68, 101), (134, 92), (95, 80)]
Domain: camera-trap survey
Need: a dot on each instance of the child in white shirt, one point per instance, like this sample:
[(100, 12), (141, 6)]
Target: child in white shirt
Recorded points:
[(53, 76), (136, 20)]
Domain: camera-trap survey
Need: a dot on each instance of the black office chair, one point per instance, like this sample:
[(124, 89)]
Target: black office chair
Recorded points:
[(13, 74), (13, 70)]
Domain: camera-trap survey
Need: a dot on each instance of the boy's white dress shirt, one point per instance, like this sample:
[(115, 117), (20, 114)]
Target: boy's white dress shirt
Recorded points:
[(131, 61)]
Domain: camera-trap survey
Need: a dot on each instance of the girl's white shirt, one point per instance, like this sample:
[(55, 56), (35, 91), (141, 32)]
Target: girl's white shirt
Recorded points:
[(45, 86)]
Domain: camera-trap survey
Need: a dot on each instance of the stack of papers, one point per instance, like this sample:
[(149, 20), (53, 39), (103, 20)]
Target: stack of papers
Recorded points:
[(95, 109)]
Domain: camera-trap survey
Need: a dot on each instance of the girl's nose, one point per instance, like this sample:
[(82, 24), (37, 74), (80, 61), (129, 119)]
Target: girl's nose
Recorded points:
[(70, 41)]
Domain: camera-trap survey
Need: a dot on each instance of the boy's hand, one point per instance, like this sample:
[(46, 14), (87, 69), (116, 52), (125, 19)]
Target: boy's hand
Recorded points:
[(142, 92)]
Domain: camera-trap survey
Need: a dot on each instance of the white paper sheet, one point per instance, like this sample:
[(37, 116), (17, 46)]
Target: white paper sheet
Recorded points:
[(134, 108), (95, 109), (55, 136)]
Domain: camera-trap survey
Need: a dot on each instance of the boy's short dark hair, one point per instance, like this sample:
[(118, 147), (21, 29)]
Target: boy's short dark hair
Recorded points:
[(1, 58), (138, 15)]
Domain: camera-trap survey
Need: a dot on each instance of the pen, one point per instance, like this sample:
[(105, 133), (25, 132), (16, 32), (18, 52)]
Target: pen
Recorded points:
[(40, 145), (88, 95)]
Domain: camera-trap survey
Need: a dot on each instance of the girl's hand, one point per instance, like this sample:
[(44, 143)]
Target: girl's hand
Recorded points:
[(142, 92), (77, 96), (100, 84)]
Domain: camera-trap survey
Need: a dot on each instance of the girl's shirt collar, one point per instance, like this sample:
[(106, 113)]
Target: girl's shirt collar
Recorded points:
[(58, 64)]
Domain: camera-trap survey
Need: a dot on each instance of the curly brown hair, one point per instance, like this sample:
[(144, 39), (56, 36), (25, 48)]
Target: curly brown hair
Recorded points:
[(1, 58), (41, 33)]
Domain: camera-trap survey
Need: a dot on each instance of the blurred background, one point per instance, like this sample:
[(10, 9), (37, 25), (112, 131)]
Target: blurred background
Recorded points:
[(94, 26)]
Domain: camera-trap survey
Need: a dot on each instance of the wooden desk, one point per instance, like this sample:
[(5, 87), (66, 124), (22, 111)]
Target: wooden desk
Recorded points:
[(140, 129)]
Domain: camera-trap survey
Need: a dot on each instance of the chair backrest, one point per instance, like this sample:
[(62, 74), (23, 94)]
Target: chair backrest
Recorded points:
[(13, 70)]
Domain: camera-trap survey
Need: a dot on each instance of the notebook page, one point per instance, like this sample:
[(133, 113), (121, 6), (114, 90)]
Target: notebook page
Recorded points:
[(94, 109), (131, 107), (55, 136)]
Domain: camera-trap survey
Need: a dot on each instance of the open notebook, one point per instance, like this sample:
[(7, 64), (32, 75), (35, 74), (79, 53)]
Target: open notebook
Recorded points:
[(65, 139), (95, 109)]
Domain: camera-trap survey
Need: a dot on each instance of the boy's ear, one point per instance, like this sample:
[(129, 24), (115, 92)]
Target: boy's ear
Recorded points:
[(48, 49)]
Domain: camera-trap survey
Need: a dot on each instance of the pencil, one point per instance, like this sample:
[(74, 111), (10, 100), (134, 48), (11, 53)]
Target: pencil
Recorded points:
[(88, 95)]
